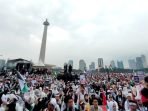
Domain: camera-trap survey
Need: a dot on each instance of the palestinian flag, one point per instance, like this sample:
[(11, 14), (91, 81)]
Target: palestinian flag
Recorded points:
[(23, 86)]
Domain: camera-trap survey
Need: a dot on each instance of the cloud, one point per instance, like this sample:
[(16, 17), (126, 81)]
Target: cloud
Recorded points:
[(58, 34), (79, 29)]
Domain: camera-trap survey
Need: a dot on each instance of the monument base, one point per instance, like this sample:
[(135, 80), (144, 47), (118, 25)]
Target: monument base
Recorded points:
[(45, 66)]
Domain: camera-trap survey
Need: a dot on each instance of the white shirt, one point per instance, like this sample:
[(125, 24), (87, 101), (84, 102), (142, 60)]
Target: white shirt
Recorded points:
[(4, 98), (142, 108), (2, 108), (93, 109), (81, 96), (110, 105), (126, 105)]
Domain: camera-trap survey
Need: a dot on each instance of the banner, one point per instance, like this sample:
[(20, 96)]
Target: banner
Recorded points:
[(136, 79), (141, 75), (82, 79)]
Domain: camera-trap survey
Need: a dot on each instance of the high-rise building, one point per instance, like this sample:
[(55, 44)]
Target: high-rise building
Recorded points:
[(2, 63), (82, 65), (144, 61), (92, 66), (120, 64), (112, 63), (139, 63), (132, 64), (43, 45), (100, 63), (70, 62)]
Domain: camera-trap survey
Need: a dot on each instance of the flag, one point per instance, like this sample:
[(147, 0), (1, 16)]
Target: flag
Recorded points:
[(25, 88), (55, 73), (104, 98), (21, 80), (19, 76), (110, 68)]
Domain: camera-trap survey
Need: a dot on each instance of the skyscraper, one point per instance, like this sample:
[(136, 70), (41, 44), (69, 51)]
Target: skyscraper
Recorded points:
[(100, 63), (139, 63), (82, 65), (120, 64), (132, 63), (144, 61), (70, 62), (112, 63), (43, 45), (92, 66)]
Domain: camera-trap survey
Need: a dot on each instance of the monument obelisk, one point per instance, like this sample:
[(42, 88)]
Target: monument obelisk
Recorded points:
[(43, 44)]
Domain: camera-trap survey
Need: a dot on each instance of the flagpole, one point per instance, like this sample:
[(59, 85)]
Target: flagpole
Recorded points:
[(107, 71)]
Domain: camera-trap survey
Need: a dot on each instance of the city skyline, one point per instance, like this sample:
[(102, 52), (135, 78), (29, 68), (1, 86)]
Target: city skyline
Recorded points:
[(108, 29), (113, 63)]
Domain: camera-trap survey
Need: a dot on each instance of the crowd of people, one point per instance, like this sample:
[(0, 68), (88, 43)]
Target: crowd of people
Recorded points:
[(93, 92)]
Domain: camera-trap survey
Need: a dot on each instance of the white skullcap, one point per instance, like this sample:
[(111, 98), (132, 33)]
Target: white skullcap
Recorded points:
[(40, 88), (129, 94), (53, 101), (108, 91)]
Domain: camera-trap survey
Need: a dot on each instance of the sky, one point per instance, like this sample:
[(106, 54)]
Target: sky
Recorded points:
[(79, 29)]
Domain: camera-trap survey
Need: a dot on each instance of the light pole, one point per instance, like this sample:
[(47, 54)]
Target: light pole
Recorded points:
[(107, 71), (1, 65)]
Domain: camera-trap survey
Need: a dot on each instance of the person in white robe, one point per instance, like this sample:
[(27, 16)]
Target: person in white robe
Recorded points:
[(112, 103), (126, 104)]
